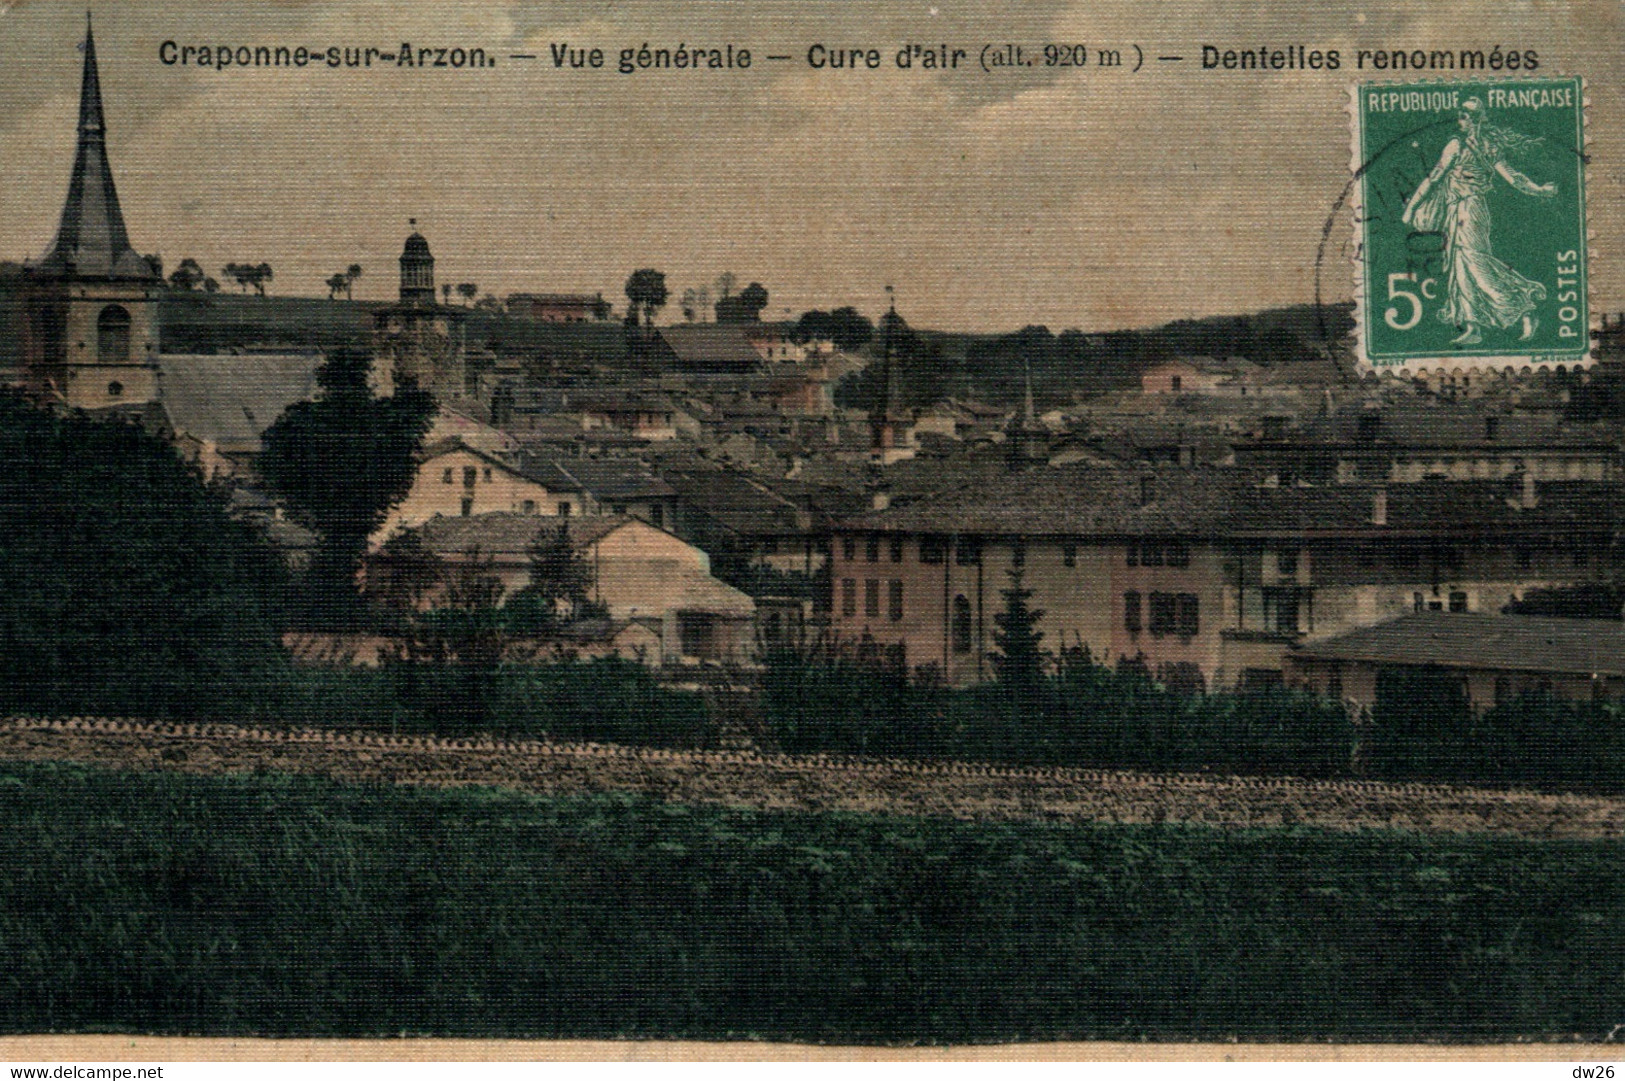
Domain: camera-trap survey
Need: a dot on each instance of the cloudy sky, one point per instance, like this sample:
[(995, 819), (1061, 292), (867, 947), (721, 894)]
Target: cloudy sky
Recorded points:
[(1091, 198)]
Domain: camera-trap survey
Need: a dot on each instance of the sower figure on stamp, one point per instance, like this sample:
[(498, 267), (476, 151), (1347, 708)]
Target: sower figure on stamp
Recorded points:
[(1454, 199)]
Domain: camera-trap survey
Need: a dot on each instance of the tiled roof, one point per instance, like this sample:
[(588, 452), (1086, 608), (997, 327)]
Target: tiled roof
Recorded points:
[(711, 343), (603, 478), (1092, 500), (230, 399), (1470, 640), (503, 534)]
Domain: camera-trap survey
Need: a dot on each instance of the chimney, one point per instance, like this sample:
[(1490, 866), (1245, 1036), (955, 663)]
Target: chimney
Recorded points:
[(1147, 490), (1526, 497), (1379, 507)]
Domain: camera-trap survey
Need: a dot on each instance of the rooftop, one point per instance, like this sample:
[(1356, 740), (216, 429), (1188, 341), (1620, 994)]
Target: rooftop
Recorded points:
[(1470, 640)]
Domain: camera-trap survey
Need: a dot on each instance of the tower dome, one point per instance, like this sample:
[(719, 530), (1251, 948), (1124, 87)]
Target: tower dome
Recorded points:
[(417, 269)]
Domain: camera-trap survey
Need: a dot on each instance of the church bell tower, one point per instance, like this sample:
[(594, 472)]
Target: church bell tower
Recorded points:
[(90, 332)]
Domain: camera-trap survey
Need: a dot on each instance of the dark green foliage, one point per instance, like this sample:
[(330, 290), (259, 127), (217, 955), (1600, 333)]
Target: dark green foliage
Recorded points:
[(1587, 600), (1081, 714), (1419, 725), (1423, 728), (124, 586), (343, 460), (274, 906), (560, 587), (1073, 361), (844, 327), (922, 371), (646, 292), (1019, 659)]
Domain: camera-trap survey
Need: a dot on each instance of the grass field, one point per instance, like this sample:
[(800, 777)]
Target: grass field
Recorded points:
[(274, 905)]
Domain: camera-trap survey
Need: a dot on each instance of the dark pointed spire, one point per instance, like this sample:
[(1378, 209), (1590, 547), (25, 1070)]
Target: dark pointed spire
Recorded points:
[(91, 241), (891, 403)]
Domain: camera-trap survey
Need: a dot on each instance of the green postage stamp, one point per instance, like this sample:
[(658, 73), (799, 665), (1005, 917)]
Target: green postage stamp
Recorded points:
[(1470, 224)]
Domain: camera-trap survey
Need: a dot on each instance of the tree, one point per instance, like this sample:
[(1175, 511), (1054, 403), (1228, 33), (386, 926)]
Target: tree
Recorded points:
[(746, 307), (754, 299), (403, 573), (125, 586), (343, 460), (725, 285), (560, 589), (646, 292), (156, 262), (335, 285), (689, 303), (845, 328), (351, 273), (188, 275), (468, 291), (239, 273), (1019, 660), (262, 274)]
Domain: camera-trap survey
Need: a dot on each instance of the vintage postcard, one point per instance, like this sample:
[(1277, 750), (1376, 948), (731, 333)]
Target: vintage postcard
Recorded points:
[(765, 530)]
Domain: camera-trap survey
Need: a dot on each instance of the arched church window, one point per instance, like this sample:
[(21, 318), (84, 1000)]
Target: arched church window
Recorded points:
[(113, 335)]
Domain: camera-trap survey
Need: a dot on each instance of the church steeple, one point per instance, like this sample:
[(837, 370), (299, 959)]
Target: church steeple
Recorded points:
[(890, 427), (91, 241), (90, 332)]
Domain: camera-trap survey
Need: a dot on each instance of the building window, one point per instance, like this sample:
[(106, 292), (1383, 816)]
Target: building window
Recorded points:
[(961, 624), (871, 598), (468, 506), (968, 552), (564, 510), (615, 508), (1458, 602), (115, 389), (1281, 610), (1190, 622), (849, 597), (894, 600), (470, 475), (849, 548), (447, 477), (1069, 555), (897, 549), (1286, 563), (529, 506), (488, 474), (1176, 554), (871, 549), (1150, 554), (1417, 603), (1164, 614), (932, 550), (1132, 556), (113, 335), (657, 516), (1131, 612)]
